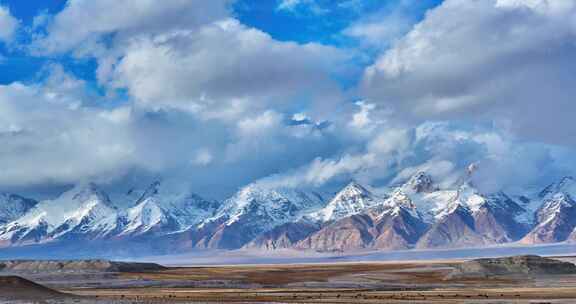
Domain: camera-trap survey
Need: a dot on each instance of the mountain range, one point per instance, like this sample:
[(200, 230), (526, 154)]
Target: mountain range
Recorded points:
[(414, 214)]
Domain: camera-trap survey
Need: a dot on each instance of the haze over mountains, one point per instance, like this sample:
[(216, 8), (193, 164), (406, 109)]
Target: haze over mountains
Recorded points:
[(415, 214)]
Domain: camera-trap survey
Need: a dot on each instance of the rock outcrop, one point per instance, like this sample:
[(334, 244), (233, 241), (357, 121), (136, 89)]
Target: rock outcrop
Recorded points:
[(528, 265), (23, 266)]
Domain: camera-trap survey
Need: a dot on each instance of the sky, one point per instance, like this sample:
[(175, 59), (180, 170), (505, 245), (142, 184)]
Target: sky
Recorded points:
[(211, 96)]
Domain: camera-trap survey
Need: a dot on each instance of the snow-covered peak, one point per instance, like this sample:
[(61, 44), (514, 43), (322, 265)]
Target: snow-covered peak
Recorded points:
[(86, 192), (75, 203), (566, 185), (84, 207), (554, 205), (352, 199), (419, 183), (353, 190), (157, 207), (143, 217), (255, 200), (14, 206), (151, 191)]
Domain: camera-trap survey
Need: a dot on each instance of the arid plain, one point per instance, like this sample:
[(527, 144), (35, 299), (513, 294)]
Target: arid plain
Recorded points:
[(371, 282)]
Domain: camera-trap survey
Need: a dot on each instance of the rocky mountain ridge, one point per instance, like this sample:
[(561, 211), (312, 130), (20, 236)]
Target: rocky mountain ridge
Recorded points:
[(415, 214)]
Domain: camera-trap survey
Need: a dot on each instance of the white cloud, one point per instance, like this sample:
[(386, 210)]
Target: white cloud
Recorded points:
[(203, 158), (8, 25), (444, 150), (294, 5), (207, 97), (382, 28), (254, 127), (488, 60), (290, 4), (47, 141), (191, 56), (222, 70), (211, 101), (83, 24)]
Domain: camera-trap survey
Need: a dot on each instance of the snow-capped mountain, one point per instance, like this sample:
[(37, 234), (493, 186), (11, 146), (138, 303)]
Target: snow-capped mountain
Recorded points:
[(379, 227), (358, 219), (555, 219), (463, 216), (414, 214), (156, 210), (84, 211), (14, 206), (255, 210), (353, 199)]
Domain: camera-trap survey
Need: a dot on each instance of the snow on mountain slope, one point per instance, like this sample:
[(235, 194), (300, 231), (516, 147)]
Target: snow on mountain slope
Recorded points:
[(566, 185), (433, 204), (377, 227), (555, 218), (357, 219), (158, 210), (14, 206), (254, 210), (83, 210), (279, 205), (415, 213), (352, 199), (461, 215), (455, 229)]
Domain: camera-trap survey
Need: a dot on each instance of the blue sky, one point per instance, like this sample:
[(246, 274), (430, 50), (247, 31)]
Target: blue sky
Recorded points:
[(213, 96)]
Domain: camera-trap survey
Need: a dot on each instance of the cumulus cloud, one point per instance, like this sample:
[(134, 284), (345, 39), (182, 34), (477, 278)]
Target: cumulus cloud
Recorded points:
[(382, 28), (505, 60), (206, 97), (8, 24), (191, 56), (216, 104), (442, 149), (47, 140), (223, 69), (87, 26)]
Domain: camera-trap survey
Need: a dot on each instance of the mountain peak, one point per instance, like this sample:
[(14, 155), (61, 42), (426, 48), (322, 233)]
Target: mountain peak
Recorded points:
[(352, 199), (354, 187), (566, 185), (13, 206), (150, 191), (83, 192), (420, 182)]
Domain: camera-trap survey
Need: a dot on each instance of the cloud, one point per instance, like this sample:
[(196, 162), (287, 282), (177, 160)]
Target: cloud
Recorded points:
[(382, 28), (51, 135), (444, 150), (290, 4), (192, 56), (48, 140), (309, 5), (222, 70), (8, 25), (88, 26), (508, 61), (215, 104), (207, 99)]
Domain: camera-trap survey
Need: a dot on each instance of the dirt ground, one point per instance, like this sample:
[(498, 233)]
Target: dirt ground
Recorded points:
[(389, 282)]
